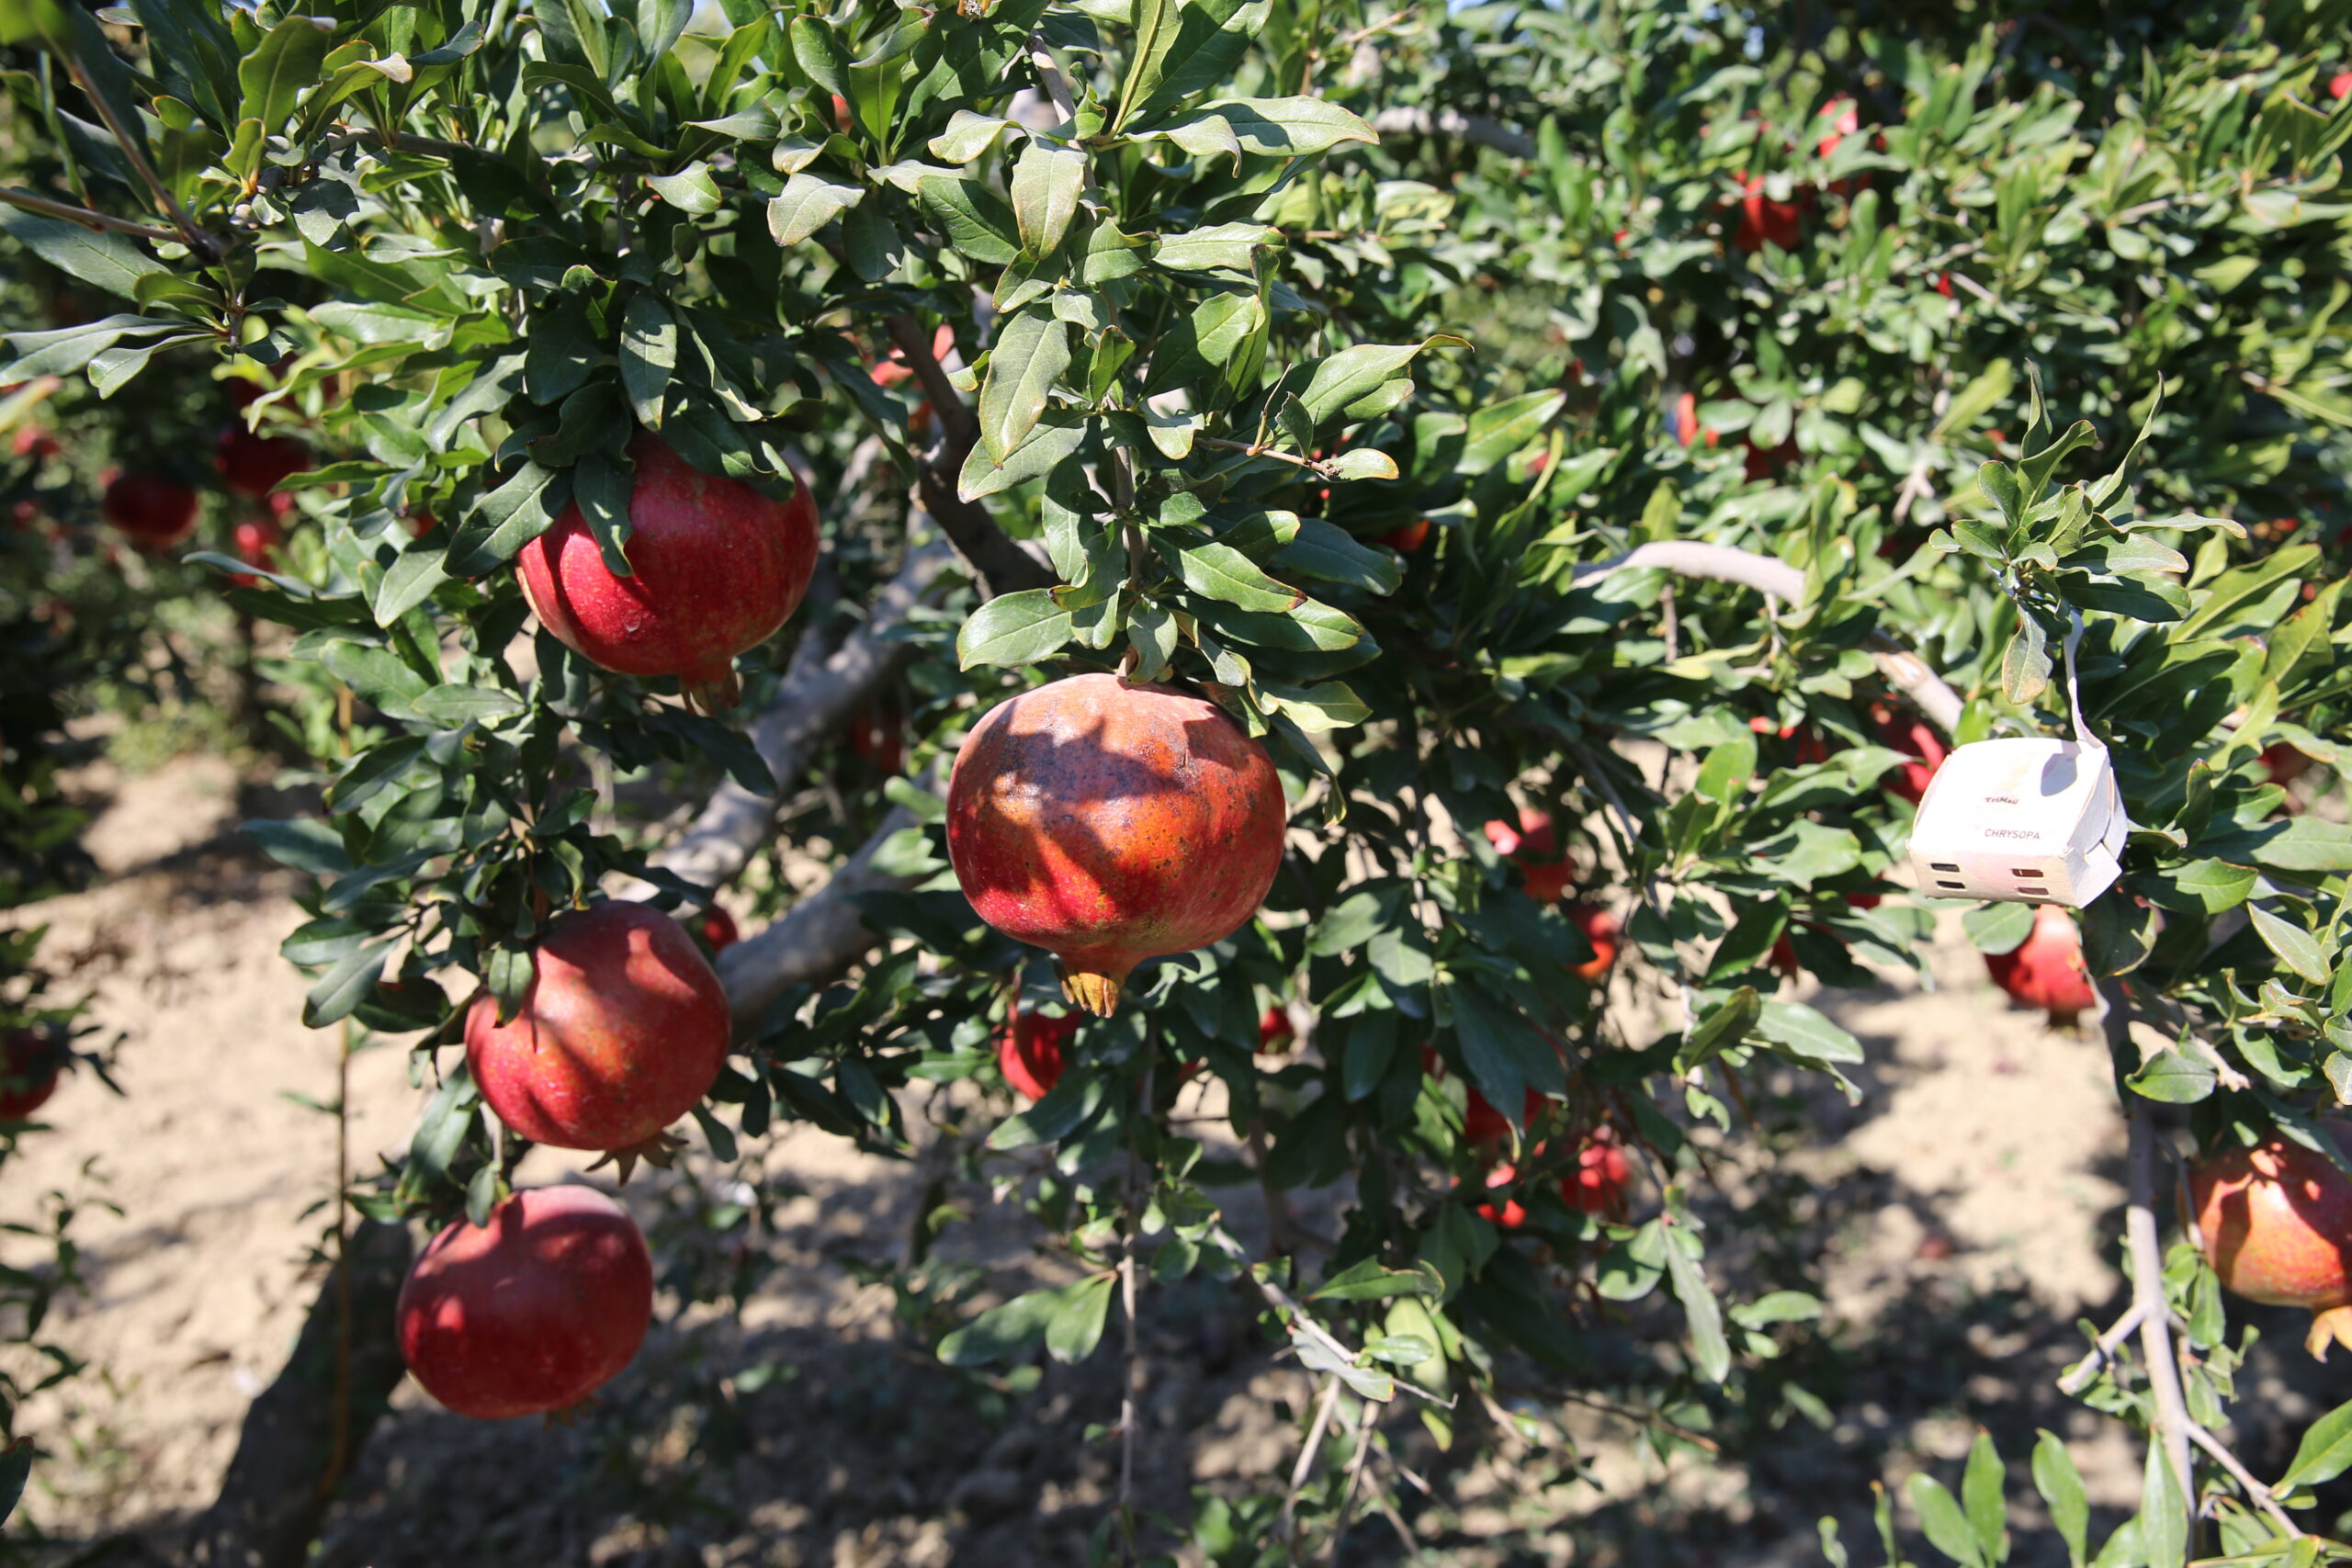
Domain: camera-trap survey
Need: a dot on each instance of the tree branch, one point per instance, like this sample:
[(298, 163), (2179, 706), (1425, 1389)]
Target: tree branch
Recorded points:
[(821, 935), (1458, 127), (1001, 564), (818, 694), (2078, 1377), (2173, 1425), (1902, 669), (134, 149), (2254, 1489), (82, 214)]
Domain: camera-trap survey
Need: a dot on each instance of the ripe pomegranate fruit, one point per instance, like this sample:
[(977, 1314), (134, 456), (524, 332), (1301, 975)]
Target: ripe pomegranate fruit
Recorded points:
[(154, 511), (1110, 823), (1845, 118), (251, 466), (1685, 423), (1511, 1213), (1764, 221), (717, 568), (531, 1313), (2047, 970), (1274, 1032), (1534, 848), (1601, 928), (875, 739), (2277, 1223), (32, 441), (2340, 84), (717, 928), (1029, 1052), (2283, 762), (1908, 732), (1764, 462), (256, 543), (29, 1065), (1408, 538), (1602, 1176), (1808, 748), (623, 1028), (1481, 1124)]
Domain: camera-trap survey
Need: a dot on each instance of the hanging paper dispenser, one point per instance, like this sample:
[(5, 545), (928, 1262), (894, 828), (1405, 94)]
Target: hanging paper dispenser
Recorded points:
[(2025, 821)]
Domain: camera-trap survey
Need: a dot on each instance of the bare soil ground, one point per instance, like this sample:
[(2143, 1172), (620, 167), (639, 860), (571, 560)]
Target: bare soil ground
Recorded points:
[(1955, 1215)]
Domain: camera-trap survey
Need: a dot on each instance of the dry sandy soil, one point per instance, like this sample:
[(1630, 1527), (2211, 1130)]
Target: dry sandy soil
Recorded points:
[(1956, 1214)]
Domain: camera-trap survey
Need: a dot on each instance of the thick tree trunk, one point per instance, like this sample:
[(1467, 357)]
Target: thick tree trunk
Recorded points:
[(290, 1458)]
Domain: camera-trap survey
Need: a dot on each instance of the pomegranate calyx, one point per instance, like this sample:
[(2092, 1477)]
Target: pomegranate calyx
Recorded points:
[(660, 1151), (713, 688), (2331, 1327), (1096, 992)]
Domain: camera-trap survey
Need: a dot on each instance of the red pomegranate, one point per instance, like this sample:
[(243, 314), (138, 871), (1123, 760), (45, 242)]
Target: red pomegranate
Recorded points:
[(1908, 733), (1110, 823), (2283, 762), (1765, 462), (30, 1064), (256, 542), (1764, 221), (1603, 930), (251, 466), (624, 1028), (1808, 746), (1408, 538), (1511, 1213), (531, 1313), (155, 512), (2046, 970), (717, 928), (875, 738), (1685, 423), (2277, 1223), (1029, 1052), (717, 567), (1844, 120), (32, 441), (1602, 1175), (1481, 1124), (1274, 1032), (1536, 849), (2340, 84)]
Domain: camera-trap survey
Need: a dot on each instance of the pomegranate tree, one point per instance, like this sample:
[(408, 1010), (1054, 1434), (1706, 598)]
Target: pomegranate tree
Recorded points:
[(2046, 970), (715, 567), (1109, 823), (2276, 1224), (532, 1312), (622, 1029)]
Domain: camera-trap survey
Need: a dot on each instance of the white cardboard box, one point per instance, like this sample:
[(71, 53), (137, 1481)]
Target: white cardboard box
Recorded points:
[(2026, 821)]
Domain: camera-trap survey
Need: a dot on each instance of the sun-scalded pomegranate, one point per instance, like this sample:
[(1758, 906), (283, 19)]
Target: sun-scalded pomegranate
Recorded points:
[(30, 1064), (531, 1313), (1029, 1052), (153, 512), (2046, 970), (1274, 1031), (1536, 849), (1603, 930), (717, 568), (1914, 736), (717, 928), (251, 466), (624, 1028), (2277, 1223), (1109, 823)]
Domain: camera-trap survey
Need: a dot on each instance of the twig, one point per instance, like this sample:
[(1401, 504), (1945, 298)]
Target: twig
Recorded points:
[(2172, 1423), (1131, 1390), (2078, 1377), (1475, 129), (2254, 1489), (83, 216), (1049, 73), (1642, 1418), (1001, 564), (1364, 1417), (1258, 449), (1306, 1452), (135, 150)]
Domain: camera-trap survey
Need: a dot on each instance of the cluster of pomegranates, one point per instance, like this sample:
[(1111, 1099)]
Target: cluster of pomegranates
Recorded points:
[(1599, 1184), (1534, 846), (622, 1029), (157, 512)]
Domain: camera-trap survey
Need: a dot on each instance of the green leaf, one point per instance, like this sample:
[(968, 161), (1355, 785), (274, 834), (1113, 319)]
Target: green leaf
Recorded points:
[(1055, 438), (1013, 629), (1945, 1527), (1337, 383), (2163, 1513), (648, 353), (816, 50), (1980, 1492), (1328, 707), (506, 519), (1066, 1106), (975, 218), (691, 189), (1371, 1280), (2295, 947), (1221, 572), (1003, 1332), (350, 981), (808, 204), (1711, 1351), (2324, 1453), (1502, 429), (1226, 247), (2174, 1078), (2025, 666), (1047, 183), (1289, 128), (2061, 1485), (105, 261), (291, 58), (1029, 357), (1076, 1326), (1799, 1031)]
